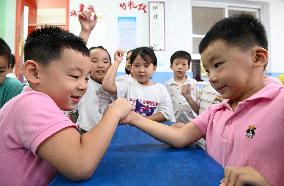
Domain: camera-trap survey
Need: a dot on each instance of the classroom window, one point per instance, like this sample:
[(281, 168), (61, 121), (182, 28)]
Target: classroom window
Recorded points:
[(205, 16)]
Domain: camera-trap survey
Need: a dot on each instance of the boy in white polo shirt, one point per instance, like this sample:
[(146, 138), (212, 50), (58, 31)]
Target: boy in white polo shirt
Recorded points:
[(183, 89)]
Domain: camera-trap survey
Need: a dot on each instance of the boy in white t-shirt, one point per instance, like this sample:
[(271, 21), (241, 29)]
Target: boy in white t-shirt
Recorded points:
[(183, 89), (149, 98)]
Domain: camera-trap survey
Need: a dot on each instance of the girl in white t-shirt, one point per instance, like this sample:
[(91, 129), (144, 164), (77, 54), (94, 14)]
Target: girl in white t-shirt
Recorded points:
[(150, 99), (96, 100)]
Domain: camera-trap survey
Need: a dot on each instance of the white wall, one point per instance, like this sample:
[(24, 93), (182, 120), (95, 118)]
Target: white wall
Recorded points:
[(177, 27), (10, 20), (276, 36)]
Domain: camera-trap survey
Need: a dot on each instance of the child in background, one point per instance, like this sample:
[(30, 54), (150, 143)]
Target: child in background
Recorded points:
[(244, 133), (208, 96), (183, 89), (88, 22), (10, 70), (96, 100), (9, 87), (127, 64), (127, 76), (150, 99), (36, 138)]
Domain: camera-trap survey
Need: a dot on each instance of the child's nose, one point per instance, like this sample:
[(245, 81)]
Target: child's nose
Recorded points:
[(83, 85), (141, 69), (100, 64), (212, 77)]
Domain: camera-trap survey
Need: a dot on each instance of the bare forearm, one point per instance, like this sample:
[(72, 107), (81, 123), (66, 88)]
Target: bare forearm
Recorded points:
[(161, 132), (85, 35), (193, 104), (159, 117), (108, 83), (95, 142)]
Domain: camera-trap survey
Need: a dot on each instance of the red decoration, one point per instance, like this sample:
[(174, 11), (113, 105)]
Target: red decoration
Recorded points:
[(132, 5), (81, 9)]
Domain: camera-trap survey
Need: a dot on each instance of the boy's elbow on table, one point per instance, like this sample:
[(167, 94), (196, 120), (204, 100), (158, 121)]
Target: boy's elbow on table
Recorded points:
[(80, 173)]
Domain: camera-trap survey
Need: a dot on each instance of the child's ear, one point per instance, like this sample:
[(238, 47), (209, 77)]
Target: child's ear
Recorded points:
[(31, 71), (260, 56)]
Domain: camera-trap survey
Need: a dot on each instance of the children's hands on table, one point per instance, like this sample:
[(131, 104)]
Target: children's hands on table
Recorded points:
[(130, 117), (239, 176), (122, 107)]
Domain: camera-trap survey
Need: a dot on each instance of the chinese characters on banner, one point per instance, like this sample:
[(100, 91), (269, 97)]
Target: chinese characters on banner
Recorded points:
[(133, 5), (81, 9)]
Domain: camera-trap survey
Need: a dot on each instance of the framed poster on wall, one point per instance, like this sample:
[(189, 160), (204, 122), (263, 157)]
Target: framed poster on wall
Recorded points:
[(157, 25)]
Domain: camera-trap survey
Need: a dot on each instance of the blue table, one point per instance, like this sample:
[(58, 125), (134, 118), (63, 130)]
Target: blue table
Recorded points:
[(134, 158)]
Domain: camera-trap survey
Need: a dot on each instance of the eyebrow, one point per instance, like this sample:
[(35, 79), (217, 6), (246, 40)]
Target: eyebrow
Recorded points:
[(75, 69), (98, 58), (212, 58)]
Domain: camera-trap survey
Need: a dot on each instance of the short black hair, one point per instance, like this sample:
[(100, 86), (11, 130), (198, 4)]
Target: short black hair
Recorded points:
[(101, 47), (242, 30), (146, 53), (5, 50), (181, 54), (46, 44)]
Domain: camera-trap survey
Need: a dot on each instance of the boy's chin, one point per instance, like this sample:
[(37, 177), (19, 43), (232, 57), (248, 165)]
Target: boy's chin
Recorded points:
[(68, 108), (99, 80)]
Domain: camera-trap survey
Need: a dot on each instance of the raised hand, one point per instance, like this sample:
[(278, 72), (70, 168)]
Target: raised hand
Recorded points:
[(88, 20), (186, 90), (118, 55)]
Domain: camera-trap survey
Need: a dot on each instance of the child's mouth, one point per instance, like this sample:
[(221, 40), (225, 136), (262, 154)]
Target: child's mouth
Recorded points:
[(75, 99)]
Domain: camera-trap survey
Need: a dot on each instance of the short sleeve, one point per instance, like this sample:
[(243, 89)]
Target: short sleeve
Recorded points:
[(122, 84), (202, 120), (166, 106), (38, 118)]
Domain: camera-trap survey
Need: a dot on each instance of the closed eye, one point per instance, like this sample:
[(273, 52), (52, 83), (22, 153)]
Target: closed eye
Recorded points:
[(74, 77)]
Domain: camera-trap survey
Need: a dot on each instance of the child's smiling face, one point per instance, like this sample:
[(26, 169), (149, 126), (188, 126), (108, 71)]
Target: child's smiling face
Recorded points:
[(64, 79), (100, 64), (230, 70)]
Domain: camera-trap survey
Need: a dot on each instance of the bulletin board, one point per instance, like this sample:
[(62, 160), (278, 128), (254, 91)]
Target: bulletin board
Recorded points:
[(157, 25), (127, 32)]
